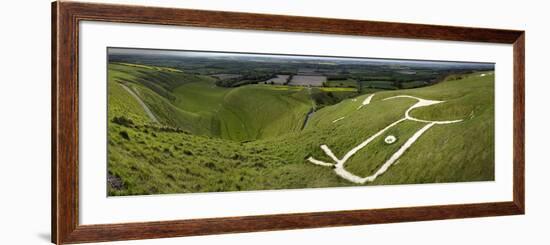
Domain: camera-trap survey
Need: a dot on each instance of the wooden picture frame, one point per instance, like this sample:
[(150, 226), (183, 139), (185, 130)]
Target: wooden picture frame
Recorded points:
[(65, 121)]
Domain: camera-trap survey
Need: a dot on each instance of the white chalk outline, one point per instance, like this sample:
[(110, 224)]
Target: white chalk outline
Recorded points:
[(366, 101), (338, 164), (336, 120)]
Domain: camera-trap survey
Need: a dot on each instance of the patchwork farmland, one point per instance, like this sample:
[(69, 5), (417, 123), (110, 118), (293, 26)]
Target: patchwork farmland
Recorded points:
[(303, 80), (279, 80)]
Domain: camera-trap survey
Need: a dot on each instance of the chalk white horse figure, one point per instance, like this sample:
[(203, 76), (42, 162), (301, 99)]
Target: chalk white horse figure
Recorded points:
[(338, 164)]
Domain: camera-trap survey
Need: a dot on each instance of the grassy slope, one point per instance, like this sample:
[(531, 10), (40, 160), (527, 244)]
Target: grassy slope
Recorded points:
[(195, 104), (122, 103), (457, 152), (150, 158), (446, 153), (153, 85), (247, 112), (265, 111), (155, 159)]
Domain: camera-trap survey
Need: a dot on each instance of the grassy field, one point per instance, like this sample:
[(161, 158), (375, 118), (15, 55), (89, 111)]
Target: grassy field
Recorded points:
[(349, 83), (212, 138)]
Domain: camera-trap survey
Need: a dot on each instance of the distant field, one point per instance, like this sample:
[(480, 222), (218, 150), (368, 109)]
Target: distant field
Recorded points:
[(226, 76), (279, 80), (414, 84), (350, 83), (210, 138), (301, 80), (336, 89), (156, 68), (379, 84)]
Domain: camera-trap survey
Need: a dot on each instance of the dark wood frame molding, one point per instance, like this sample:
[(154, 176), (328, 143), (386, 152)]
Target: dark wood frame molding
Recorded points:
[(65, 136)]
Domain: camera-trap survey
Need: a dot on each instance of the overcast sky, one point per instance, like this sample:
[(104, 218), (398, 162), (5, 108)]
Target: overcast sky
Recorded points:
[(206, 54)]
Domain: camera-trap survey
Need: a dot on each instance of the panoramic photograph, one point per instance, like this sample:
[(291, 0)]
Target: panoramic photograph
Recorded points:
[(200, 121)]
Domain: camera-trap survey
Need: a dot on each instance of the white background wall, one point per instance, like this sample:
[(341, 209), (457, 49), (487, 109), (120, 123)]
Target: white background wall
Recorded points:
[(25, 121)]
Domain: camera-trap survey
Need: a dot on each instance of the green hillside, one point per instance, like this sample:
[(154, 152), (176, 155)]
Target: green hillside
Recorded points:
[(211, 138), (247, 112)]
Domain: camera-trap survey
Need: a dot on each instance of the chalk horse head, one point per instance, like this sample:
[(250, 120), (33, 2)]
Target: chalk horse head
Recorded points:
[(338, 164)]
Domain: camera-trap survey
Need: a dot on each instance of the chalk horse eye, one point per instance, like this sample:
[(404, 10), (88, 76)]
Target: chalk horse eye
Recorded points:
[(390, 139)]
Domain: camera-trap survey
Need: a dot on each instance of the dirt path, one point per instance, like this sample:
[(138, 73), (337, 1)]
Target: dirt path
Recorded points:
[(145, 108), (338, 164), (311, 111), (308, 116)]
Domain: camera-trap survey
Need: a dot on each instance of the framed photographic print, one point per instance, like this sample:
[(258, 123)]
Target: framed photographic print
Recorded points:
[(175, 122)]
